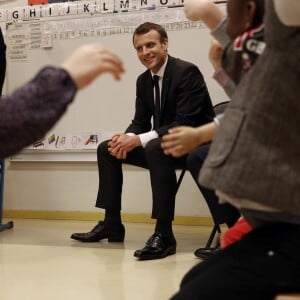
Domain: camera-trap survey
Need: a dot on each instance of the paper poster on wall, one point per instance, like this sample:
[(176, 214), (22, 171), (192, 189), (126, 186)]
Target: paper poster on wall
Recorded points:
[(81, 141), (72, 141), (40, 144)]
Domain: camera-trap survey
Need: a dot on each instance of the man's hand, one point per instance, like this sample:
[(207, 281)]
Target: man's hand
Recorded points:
[(122, 143)]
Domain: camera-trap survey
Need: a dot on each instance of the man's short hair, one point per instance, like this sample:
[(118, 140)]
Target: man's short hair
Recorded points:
[(146, 27)]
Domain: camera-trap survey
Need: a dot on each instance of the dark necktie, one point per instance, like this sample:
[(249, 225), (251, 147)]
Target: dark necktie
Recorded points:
[(156, 101)]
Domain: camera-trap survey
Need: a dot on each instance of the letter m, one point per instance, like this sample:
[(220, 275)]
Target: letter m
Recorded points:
[(124, 4)]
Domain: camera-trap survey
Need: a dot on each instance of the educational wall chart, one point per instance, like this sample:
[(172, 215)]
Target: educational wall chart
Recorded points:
[(59, 8), (55, 141), (23, 37)]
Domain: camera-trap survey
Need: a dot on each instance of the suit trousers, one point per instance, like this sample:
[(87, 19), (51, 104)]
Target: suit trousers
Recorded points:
[(221, 213), (162, 175), (264, 263)]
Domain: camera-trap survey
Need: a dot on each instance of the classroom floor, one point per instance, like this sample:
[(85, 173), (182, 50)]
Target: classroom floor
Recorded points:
[(40, 261)]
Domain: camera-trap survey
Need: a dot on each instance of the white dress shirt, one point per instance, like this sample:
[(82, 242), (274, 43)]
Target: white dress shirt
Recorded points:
[(150, 135)]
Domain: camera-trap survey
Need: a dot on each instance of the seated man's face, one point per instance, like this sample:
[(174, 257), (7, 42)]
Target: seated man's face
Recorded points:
[(150, 50), (240, 15)]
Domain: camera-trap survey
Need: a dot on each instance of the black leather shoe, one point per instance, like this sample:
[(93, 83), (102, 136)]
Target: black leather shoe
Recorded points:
[(204, 253), (157, 246), (99, 232)]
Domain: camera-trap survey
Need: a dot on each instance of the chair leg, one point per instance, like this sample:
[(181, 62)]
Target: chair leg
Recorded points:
[(10, 224), (180, 179), (216, 229)]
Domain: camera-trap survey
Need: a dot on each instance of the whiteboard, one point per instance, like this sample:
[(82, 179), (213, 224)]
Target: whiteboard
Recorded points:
[(108, 105)]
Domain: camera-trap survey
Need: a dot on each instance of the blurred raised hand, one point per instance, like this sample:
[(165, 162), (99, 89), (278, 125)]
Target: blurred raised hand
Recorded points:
[(204, 10), (215, 54), (183, 139), (91, 60)]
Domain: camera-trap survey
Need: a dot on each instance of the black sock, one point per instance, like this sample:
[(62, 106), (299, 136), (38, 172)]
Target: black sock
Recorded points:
[(112, 218), (164, 227)]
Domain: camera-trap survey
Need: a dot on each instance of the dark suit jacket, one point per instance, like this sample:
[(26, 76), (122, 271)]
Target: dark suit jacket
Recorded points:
[(184, 99)]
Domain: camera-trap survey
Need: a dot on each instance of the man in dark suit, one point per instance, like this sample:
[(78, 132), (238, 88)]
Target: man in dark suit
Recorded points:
[(172, 92)]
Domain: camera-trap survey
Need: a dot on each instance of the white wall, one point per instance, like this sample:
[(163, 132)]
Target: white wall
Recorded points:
[(73, 187)]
